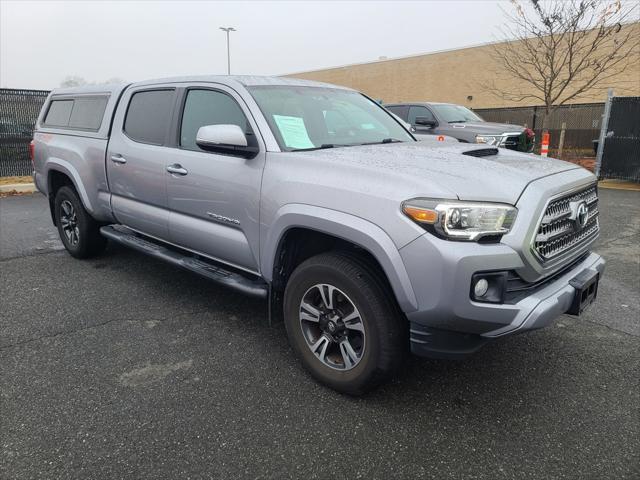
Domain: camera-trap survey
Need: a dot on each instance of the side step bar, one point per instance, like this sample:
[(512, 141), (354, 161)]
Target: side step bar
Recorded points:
[(187, 260)]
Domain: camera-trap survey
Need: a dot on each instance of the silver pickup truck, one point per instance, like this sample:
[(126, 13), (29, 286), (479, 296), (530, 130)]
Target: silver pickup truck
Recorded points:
[(365, 242)]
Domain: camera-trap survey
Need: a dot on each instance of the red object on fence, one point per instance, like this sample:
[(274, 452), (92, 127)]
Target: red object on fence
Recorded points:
[(544, 149), (32, 151)]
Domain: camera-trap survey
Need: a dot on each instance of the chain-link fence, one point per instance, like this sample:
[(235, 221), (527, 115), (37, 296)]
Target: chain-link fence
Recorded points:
[(582, 125), (19, 111)]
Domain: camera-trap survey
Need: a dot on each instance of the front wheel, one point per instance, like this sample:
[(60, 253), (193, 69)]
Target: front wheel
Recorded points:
[(79, 232), (343, 323)]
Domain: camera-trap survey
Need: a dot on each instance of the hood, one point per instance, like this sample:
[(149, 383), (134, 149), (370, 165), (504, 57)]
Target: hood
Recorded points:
[(419, 169), (487, 128)]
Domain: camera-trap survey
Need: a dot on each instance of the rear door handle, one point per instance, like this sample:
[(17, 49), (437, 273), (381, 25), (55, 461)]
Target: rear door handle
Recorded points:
[(118, 159), (177, 169)]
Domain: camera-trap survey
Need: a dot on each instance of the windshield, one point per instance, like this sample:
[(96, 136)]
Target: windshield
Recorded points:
[(306, 118), (456, 113)]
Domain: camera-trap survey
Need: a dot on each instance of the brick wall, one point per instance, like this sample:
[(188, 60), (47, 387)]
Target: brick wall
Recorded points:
[(451, 76)]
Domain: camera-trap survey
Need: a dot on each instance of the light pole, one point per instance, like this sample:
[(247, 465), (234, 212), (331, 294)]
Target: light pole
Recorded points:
[(228, 29)]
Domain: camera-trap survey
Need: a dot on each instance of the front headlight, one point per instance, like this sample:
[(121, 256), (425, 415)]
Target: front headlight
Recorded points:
[(456, 220), (488, 139)]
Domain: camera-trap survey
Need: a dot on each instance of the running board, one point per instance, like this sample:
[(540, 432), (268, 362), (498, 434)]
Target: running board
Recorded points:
[(188, 261)]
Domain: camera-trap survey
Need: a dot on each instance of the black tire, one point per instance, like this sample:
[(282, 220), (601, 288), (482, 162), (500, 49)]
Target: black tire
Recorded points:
[(84, 241), (385, 332)]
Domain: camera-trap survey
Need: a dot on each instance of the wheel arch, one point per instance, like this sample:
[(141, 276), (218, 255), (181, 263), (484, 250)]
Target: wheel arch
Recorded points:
[(316, 228), (59, 174)]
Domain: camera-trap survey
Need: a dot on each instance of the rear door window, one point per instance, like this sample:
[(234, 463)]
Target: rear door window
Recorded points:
[(399, 110), (149, 115)]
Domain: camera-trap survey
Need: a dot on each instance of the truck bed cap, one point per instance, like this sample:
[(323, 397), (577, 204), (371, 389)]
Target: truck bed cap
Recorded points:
[(112, 88)]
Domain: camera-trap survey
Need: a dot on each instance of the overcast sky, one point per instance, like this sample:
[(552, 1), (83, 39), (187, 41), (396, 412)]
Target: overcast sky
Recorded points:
[(42, 42)]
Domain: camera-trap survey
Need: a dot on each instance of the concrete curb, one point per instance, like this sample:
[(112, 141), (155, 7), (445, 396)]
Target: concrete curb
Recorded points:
[(619, 185), (18, 188)]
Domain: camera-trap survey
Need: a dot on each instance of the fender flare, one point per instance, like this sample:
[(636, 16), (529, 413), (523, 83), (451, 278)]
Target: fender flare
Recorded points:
[(347, 227), (62, 166)]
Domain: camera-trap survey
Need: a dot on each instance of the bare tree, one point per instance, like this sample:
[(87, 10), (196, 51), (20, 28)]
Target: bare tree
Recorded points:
[(76, 81), (73, 81), (112, 80), (560, 50)]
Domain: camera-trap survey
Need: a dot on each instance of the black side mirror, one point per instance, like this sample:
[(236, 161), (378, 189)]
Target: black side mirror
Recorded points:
[(426, 122)]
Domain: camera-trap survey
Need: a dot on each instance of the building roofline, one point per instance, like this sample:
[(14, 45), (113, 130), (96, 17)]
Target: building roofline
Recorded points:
[(414, 55), (391, 59)]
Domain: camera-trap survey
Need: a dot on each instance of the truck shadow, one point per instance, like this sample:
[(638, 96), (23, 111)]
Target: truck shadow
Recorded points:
[(507, 380)]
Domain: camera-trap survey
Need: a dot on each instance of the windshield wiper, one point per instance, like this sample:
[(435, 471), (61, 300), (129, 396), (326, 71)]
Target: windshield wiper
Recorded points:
[(334, 145), (458, 121), (384, 140), (323, 146)]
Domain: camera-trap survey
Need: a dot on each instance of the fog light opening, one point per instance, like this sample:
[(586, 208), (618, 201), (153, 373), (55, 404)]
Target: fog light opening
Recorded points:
[(488, 287), (481, 288)]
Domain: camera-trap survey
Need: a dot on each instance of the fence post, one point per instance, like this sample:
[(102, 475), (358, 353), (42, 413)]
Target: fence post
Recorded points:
[(535, 114), (561, 141), (604, 126)]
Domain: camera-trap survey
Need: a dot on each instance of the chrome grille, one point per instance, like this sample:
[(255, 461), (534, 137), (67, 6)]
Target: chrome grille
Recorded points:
[(512, 142), (558, 233)]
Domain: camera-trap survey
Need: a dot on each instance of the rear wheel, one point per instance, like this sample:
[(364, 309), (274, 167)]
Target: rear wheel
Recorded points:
[(79, 232), (342, 322)]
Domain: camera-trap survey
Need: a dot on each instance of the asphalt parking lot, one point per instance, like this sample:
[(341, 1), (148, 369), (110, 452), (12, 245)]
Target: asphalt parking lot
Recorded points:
[(124, 367)]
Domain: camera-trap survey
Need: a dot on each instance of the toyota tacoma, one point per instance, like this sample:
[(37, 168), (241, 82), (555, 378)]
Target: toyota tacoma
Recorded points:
[(367, 243)]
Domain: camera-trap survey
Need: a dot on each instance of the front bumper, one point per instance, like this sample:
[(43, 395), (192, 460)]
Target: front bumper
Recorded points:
[(448, 323), (551, 301)]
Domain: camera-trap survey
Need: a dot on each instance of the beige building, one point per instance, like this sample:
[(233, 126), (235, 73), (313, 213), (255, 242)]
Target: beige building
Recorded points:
[(457, 76)]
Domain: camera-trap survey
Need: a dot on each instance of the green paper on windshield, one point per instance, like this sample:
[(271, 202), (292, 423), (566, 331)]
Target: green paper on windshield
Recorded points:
[(293, 131)]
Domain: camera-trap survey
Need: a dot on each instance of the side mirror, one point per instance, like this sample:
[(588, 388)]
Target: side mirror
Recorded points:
[(225, 139), (407, 125), (426, 122)]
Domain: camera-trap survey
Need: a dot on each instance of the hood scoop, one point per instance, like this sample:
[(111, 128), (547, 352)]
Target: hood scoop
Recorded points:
[(481, 152)]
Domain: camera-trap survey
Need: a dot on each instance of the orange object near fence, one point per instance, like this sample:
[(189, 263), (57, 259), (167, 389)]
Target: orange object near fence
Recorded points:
[(544, 149)]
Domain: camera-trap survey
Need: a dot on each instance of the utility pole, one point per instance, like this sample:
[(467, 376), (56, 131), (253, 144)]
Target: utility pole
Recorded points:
[(228, 29), (604, 128)]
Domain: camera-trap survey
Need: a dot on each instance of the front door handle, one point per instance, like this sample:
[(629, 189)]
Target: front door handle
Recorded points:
[(177, 169), (118, 159)]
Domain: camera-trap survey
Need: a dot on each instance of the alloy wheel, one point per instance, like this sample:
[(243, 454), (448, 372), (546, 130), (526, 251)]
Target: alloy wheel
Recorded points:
[(69, 222), (332, 327)]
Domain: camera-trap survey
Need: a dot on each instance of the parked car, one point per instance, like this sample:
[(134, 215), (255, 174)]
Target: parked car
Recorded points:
[(430, 118), (433, 139), (365, 242)]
